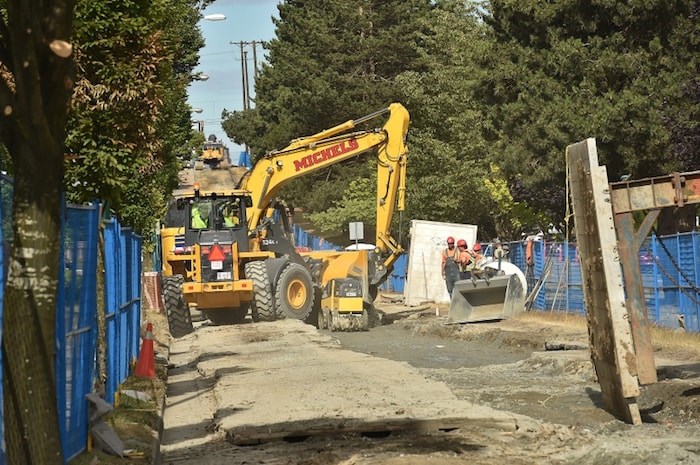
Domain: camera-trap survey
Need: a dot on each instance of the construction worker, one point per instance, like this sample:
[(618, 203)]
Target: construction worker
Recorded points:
[(231, 218), (450, 267), (198, 221), (475, 270), (465, 260)]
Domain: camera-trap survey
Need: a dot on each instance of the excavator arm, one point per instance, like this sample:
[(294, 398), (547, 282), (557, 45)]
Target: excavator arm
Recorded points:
[(310, 154)]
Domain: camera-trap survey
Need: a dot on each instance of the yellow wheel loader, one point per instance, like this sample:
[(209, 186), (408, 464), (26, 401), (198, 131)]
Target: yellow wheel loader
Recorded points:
[(227, 251), (214, 153)]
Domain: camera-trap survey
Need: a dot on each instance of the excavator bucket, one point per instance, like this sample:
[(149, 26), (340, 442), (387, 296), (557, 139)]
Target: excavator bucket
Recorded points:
[(496, 298)]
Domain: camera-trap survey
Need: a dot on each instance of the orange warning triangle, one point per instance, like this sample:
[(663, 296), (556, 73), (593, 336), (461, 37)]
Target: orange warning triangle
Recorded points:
[(216, 254)]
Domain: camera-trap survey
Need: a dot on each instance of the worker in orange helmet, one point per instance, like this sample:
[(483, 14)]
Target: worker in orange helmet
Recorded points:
[(477, 271), (466, 260), (450, 265)]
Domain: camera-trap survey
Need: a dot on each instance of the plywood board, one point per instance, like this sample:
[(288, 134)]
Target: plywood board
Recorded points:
[(424, 281), (612, 350)]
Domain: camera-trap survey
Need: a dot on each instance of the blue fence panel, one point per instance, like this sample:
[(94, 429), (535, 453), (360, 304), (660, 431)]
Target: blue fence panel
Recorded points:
[(303, 239), (132, 303), (76, 327), (122, 302), (111, 297), (397, 279), (670, 268), (244, 159)]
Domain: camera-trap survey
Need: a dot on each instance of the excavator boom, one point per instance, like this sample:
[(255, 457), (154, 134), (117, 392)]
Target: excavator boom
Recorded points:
[(313, 153)]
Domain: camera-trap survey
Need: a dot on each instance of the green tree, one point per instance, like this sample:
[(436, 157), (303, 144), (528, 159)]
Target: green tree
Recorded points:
[(129, 118), (560, 72), (449, 170), (330, 62), (36, 81)]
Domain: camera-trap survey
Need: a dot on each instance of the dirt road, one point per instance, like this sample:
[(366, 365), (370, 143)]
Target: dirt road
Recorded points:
[(466, 394)]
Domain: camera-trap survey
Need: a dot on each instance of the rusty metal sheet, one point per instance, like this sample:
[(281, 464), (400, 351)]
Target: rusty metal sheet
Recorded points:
[(612, 350), (673, 190)]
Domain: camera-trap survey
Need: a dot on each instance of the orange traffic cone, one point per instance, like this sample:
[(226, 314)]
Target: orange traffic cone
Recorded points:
[(146, 364)]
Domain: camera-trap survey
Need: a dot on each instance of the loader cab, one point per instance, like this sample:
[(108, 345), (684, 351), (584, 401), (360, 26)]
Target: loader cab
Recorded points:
[(213, 218)]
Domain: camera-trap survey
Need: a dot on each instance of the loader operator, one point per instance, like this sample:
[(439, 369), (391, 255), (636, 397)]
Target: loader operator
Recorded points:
[(199, 219), (450, 266)]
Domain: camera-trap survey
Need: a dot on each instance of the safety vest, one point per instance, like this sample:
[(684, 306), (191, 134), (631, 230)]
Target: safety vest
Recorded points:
[(197, 221)]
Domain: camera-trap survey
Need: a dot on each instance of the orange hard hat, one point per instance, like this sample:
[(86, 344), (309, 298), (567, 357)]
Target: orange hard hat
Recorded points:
[(461, 243), (450, 240), (477, 247)]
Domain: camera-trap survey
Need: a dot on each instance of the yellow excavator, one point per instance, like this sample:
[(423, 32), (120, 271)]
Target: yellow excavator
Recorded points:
[(226, 251)]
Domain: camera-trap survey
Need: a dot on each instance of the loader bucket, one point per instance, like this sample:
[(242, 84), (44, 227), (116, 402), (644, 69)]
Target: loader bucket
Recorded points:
[(498, 298)]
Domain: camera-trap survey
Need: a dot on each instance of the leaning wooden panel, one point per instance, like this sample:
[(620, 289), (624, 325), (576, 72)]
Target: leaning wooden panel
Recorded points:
[(612, 351)]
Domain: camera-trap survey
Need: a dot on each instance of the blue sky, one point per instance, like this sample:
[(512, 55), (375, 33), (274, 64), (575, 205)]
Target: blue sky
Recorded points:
[(246, 20)]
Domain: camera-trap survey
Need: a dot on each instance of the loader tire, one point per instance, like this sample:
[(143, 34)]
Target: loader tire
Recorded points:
[(179, 318), (262, 307), (294, 292), (229, 316)]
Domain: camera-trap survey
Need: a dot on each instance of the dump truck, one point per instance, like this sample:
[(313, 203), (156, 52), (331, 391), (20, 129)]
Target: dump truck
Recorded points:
[(225, 251)]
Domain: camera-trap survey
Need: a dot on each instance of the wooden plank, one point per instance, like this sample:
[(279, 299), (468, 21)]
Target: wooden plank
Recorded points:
[(612, 350)]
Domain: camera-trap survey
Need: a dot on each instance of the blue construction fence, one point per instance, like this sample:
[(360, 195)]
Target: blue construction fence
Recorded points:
[(244, 160), (670, 267), (76, 311), (306, 240)]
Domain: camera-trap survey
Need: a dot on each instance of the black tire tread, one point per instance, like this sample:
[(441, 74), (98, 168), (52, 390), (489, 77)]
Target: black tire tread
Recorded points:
[(262, 307), (179, 318)]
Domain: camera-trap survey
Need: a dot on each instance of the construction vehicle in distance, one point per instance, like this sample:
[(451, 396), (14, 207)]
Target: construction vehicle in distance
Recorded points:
[(214, 153), (227, 250)]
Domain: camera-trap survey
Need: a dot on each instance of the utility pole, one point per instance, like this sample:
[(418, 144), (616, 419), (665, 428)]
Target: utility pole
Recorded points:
[(245, 79), (246, 85), (255, 60)]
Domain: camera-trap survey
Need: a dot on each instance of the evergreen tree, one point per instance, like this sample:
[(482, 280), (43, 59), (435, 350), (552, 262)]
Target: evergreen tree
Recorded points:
[(331, 60), (559, 72)]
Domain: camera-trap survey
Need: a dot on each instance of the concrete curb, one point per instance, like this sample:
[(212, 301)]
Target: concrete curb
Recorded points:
[(155, 446)]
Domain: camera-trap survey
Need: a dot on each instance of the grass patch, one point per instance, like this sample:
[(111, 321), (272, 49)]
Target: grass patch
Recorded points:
[(668, 342), (569, 320)]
